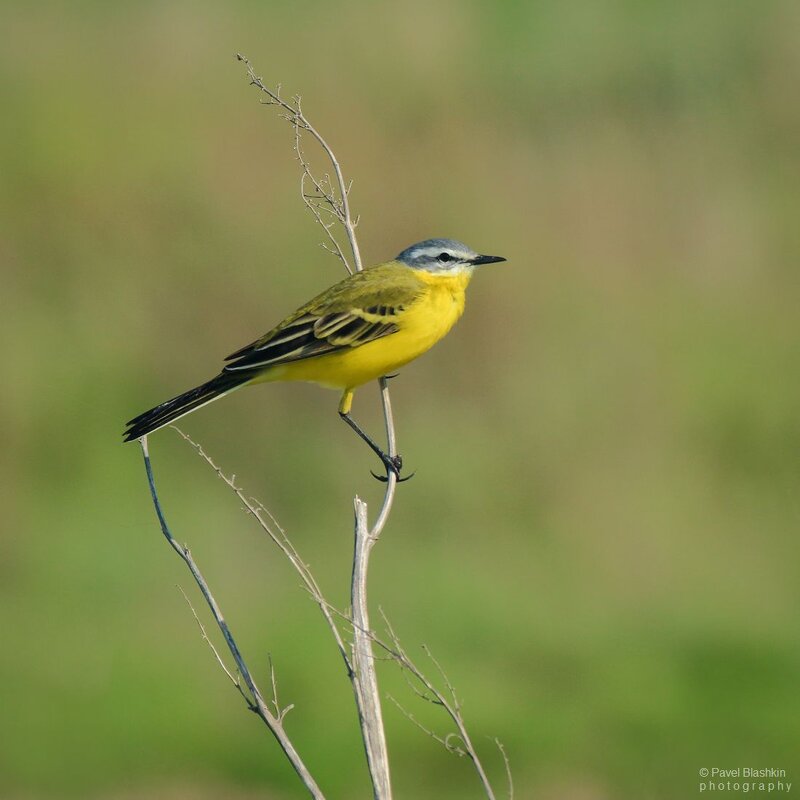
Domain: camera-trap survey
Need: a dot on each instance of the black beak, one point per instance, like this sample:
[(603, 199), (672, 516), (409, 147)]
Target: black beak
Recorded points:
[(487, 260)]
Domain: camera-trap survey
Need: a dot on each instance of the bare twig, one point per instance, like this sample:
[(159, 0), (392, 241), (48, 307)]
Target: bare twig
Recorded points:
[(449, 702), (359, 658), (276, 533), (444, 741), (339, 205), (256, 701), (507, 764), (274, 683), (458, 743), (360, 662), (235, 680), (279, 712), (312, 202)]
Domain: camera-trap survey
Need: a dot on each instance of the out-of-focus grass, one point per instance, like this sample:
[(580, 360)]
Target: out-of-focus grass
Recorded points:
[(601, 543)]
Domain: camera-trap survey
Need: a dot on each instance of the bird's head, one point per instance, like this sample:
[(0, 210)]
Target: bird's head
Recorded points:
[(444, 256)]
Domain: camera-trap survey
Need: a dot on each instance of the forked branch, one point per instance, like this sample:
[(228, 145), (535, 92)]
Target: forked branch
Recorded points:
[(278, 536), (460, 742), (255, 701), (325, 198), (360, 660)]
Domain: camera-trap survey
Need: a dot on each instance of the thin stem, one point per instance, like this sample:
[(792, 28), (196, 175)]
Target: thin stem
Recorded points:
[(367, 694), (450, 704), (507, 764), (257, 703), (275, 532), (295, 116), (234, 680), (391, 477)]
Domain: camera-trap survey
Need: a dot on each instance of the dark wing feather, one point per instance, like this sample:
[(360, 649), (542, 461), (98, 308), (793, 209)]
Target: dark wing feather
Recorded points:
[(288, 331), (360, 309)]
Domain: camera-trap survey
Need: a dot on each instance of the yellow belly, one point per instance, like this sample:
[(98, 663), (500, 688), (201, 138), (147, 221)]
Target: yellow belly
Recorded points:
[(421, 326)]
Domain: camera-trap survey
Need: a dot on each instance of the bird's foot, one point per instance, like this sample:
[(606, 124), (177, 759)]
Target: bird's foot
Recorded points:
[(393, 464)]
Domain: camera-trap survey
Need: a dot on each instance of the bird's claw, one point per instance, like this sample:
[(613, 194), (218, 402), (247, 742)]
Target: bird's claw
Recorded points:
[(393, 464), (385, 479)]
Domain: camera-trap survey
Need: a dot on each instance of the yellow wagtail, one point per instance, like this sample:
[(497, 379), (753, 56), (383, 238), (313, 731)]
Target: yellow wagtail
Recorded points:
[(364, 327)]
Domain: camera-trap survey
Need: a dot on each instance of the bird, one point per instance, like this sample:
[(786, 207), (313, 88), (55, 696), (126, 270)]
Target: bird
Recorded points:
[(364, 327)]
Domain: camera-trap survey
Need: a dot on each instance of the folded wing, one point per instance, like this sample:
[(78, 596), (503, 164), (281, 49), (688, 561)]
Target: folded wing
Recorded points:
[(365, 307)]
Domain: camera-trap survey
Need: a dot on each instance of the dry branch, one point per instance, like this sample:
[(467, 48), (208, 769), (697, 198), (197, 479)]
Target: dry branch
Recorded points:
[(336, 202), (448, 701), (256, 700)]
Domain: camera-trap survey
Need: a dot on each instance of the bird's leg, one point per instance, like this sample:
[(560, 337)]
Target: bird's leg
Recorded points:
[(393, 463)]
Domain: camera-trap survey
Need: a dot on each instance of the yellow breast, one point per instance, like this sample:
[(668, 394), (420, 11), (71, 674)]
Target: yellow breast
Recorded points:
[(421, 325)]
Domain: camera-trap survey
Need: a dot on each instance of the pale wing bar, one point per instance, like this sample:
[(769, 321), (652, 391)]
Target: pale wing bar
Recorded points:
[(291, 330), (311, 336)]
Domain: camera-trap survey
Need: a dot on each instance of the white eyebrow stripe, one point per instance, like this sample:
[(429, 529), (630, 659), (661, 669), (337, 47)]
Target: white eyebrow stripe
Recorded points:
[(435, 252)]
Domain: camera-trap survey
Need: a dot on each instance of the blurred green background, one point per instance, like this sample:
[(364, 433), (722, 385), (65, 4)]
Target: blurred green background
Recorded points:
[(600, 544)]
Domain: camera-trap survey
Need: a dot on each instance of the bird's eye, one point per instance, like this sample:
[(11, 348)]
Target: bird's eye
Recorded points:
[(444, 257)]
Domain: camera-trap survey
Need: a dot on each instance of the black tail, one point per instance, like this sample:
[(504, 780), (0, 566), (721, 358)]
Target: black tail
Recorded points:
[(171, 410)]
